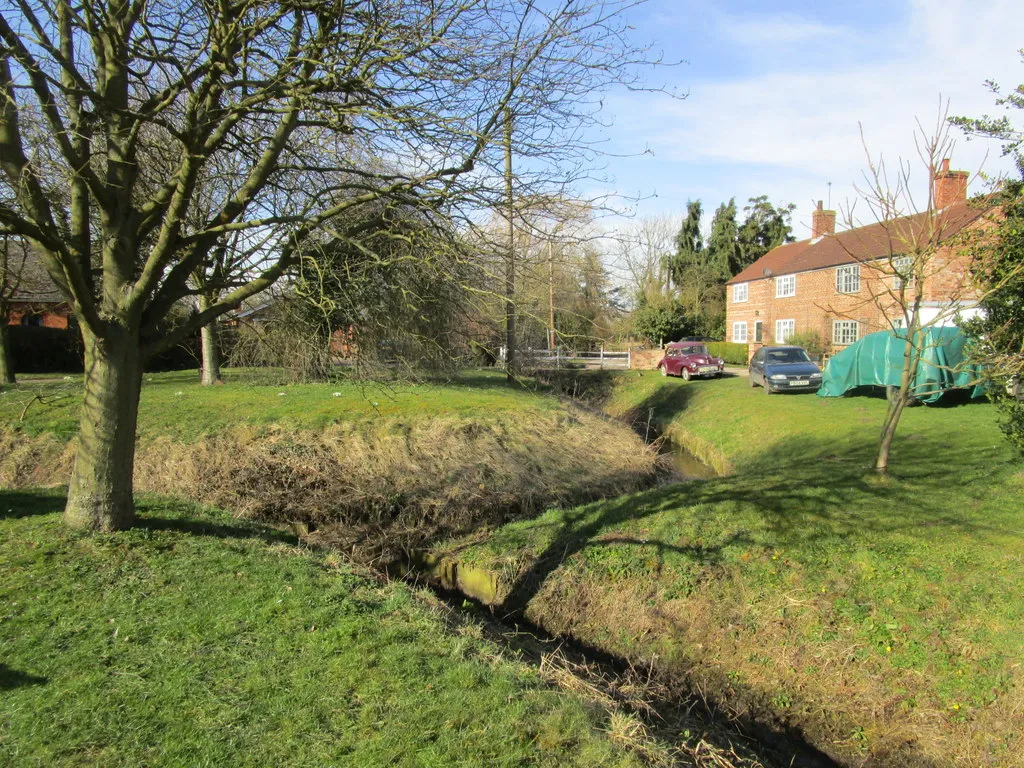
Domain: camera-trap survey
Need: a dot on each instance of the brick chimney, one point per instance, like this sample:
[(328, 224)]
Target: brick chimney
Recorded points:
[(950, 186), (822, 222)]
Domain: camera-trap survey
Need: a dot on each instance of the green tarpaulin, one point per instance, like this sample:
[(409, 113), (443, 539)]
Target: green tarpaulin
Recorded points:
[(877, 360)]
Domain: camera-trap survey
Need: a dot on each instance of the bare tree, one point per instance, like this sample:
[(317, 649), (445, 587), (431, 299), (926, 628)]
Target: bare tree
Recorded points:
[(115, 113), (639, 256), (912, 262), (12, 262)]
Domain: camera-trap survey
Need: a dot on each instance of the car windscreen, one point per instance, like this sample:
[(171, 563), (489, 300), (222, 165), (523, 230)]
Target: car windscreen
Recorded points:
[(788, 356)]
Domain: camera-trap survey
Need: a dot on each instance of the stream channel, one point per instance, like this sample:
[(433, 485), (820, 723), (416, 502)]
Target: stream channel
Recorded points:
[(674, 713)]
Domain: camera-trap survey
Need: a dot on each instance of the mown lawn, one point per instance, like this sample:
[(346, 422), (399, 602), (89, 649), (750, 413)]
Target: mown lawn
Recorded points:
[(175, 405), (881, 616), (399, 462), (197, 639)]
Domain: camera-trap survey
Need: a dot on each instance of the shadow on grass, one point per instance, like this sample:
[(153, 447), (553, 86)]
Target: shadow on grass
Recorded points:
[(21, 504), (12, 678), (199, 527), (18, 504)]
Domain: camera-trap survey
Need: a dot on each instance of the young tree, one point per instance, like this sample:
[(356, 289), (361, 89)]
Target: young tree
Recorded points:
[(905, 252), (114, 115)]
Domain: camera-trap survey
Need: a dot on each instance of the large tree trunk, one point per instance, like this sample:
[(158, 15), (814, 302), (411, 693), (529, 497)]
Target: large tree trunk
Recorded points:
[(209, 336), (6, 363), (100, 494)]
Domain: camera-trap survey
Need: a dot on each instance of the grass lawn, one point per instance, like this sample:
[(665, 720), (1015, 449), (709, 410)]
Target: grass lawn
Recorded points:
[(197, 639), (882, 616), (409, 460), (175, 405)]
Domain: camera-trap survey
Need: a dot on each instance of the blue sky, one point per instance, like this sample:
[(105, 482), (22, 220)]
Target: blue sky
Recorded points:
[(776, 92)]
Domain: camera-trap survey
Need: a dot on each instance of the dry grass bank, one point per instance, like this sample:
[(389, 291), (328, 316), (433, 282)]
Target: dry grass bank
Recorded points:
[(374, 485)]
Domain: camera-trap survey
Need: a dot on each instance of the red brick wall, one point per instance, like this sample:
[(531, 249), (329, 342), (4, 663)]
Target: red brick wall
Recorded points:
[(52, 317), (816, 303)]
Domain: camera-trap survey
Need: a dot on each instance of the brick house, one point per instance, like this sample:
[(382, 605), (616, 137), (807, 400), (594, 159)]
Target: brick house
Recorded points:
[(30, 295), (844, 286)]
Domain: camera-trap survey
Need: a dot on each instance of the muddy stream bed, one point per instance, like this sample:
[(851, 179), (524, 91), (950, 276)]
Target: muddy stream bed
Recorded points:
[(701, 733)]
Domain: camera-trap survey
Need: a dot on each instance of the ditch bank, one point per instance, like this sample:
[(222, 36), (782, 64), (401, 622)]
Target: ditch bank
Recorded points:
[(375, 488)]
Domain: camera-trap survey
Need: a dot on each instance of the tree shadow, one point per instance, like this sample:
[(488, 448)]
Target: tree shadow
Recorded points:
[(199, 527), (12, 678), (18, 504)]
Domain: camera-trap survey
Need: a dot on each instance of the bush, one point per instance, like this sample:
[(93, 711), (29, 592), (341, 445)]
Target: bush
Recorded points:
[(658, 323), (734, 354), (812, 341)]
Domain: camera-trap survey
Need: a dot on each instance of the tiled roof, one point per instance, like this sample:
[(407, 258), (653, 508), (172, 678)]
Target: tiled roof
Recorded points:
[(874, 241), (27, 279)]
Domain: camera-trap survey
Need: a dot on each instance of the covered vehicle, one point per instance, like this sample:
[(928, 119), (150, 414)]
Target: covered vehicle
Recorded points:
[(784, 369), (877, 360), (689, 360)]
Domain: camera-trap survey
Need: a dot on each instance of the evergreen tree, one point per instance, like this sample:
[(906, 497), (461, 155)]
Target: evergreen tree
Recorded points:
[(689, 245), (765, 227), (723, 249)]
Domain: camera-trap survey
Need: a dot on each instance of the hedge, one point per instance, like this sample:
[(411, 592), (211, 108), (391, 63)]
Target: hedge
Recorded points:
[(734, 354)]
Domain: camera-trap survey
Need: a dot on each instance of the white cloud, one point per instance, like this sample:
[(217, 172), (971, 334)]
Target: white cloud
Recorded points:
[(782, 29), (786, 131)]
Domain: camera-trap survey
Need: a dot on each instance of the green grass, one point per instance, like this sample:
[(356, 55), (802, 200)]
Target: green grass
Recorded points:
[(175, 405), (412, 461), (197, 639), (874, 612)]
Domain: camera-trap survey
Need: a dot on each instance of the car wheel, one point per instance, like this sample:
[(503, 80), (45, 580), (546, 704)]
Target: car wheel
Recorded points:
[(750, 375), (663, 370), (686, 374), (767, 387)]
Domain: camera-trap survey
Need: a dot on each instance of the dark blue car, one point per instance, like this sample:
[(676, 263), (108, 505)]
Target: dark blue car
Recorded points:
[(784, 369)]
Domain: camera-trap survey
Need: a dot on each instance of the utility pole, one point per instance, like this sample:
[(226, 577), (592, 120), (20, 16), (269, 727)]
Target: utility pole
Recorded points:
[(551, 297), (510, 263)]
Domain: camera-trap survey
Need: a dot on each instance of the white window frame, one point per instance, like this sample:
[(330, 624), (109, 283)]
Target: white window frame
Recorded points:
[(848, 278), (739, 338), (785, 280), (781, 327), (739, 296), (902, 263), (845, 332), (758, 326)]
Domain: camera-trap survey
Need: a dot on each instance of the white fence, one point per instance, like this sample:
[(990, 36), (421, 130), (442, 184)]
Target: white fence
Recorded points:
[(562, 358)]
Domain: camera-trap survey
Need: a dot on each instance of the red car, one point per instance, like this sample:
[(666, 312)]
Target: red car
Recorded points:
[(689, 360)]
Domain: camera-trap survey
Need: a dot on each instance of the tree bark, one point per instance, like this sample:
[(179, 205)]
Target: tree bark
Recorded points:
[(6, 364), (898, 402), (892, 420), (210, 339), (100, 493), (211, 355), (510, 263)]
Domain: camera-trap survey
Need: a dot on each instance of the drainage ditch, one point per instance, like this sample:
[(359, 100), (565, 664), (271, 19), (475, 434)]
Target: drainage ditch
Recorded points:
[(696, 731)]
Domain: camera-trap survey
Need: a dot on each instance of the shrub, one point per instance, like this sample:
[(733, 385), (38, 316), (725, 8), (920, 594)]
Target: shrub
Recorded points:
[(658, 323), (734, 354), (812, 341)]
